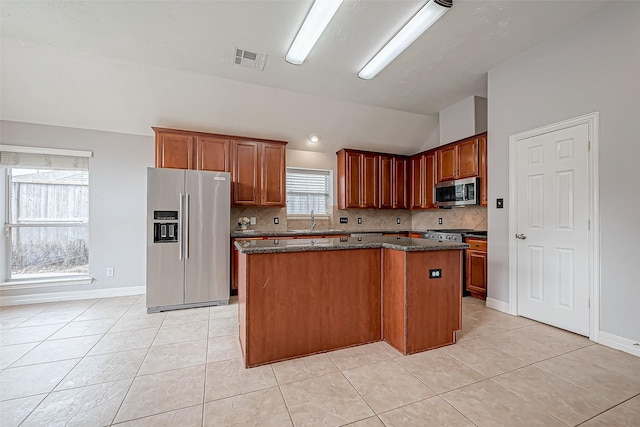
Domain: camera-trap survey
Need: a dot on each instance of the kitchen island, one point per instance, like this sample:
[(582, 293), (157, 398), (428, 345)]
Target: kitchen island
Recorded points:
[(306, 296)]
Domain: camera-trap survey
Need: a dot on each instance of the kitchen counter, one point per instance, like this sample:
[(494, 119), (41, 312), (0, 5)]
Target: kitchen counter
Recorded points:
[(482, 236), (405, 244), (298, 297)]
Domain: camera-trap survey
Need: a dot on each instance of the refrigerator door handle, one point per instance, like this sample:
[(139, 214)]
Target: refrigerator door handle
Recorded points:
[(180, 228), (186, 228)]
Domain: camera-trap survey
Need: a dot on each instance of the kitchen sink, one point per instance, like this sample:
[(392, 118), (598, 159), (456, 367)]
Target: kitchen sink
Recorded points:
[(306, 230)]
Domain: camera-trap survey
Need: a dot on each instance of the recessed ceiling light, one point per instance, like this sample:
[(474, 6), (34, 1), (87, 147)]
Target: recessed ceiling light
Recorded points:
[(314, 24), (313, 138), (430, 13)]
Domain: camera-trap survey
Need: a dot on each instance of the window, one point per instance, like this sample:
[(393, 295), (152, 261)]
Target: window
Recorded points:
[(307, 190), (47, 215)]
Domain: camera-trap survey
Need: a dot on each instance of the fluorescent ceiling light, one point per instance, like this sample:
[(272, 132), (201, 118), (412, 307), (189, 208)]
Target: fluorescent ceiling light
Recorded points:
[(422, 20), (314, 24)]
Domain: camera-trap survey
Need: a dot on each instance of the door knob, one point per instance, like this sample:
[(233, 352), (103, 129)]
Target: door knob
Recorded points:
[(521, 236)]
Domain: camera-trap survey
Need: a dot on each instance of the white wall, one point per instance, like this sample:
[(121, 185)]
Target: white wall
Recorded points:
[(593, 66), (463, 119), (47, 85), (117, 198)]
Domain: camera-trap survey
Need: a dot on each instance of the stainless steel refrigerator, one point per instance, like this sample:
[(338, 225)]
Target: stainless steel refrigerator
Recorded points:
[(188, 231)]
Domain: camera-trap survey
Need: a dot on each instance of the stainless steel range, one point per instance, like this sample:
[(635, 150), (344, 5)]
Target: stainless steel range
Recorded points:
[(451, 235)]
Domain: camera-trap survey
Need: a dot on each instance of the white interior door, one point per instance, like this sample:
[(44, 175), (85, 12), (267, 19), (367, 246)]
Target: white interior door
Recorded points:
[(553, 228)]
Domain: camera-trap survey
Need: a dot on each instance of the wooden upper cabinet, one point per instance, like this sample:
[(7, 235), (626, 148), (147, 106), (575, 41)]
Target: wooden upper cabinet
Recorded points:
[(430, 169), (353, 170), (258, 173), (369, 181), (257, 166), (272, 164), (386, 181), (459, 160), (358, 176), (416, 166), (213, 154), (174, 150), (423, 176), (192, 150), (399, 193), (467, 158), (482, 146), (245, 173), (447, 164)]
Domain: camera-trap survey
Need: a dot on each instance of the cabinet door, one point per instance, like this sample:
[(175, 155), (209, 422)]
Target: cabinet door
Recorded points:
[(482, 147), (467, 158), (447, 163), (399, 186), (212, 154), (273, 174), (369, 181), (386, 175), (245, 173), (417, 167), (476, 273), (354, 168), (174, 150), (429, 180)]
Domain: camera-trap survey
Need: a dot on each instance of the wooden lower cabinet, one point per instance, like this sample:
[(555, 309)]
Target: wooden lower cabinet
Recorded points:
[(300, 303), (420, 313), (476, 268)]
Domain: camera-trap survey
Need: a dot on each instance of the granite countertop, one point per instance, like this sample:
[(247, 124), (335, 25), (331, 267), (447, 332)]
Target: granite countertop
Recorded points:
[(476, 235), (261, 233), (375, 242)]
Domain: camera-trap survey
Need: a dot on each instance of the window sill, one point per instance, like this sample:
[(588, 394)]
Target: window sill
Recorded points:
[(307, 216), (45, 283)]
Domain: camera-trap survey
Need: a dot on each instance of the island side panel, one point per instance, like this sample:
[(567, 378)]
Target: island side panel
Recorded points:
[(301, 303), (394, 297), (434, 306), (242, 302)]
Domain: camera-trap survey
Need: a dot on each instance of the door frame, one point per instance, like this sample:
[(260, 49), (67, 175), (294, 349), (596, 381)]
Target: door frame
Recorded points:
[(592, 121)]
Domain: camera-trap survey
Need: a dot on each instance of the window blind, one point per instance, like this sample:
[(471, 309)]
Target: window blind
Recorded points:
[(308, 189), (43, 158)]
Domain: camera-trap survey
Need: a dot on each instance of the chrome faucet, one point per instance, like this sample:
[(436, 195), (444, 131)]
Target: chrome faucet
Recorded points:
[(313, 221)]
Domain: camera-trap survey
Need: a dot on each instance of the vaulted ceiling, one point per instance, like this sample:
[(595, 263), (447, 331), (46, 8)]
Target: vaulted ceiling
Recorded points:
[(446, 64)]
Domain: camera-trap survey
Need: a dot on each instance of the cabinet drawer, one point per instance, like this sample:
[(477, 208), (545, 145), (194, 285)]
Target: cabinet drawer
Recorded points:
[(477, 244)]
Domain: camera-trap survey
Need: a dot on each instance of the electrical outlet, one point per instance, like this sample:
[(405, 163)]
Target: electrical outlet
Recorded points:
[(440, 221), (109, 272), (359, 220), (253, 220), (344, 220), (276, 220), (397, 220), (435, 273)]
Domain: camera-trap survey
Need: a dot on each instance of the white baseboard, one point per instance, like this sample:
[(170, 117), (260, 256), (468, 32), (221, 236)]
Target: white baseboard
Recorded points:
[(71, 295), (619, 343), (496, 304)]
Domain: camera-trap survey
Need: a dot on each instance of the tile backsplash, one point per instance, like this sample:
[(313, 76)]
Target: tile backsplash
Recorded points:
[(473, 217), (372, 219)]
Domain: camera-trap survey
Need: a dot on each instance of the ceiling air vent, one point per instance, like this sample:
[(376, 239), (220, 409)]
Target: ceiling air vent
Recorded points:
[(249, 59)]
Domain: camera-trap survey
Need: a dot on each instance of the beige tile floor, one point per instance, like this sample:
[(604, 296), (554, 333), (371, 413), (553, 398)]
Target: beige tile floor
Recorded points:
[(106, 362)]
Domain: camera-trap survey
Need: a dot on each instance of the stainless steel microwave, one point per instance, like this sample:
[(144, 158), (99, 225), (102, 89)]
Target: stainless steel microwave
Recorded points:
[(460, 192)]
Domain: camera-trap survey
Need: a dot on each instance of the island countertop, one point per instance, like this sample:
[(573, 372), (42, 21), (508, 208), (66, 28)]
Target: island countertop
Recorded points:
[(406, 244)]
